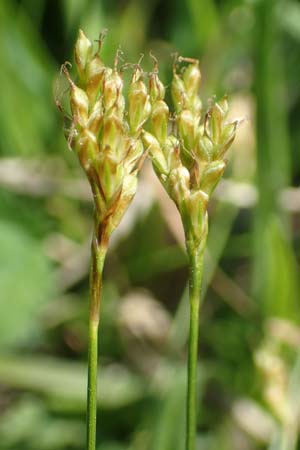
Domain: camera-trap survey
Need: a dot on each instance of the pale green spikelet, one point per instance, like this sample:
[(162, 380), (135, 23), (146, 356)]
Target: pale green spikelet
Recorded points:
[(109, 146), (190, 161)]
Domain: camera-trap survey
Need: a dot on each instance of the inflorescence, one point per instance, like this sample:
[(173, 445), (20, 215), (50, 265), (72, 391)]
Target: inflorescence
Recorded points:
[(111, 134)]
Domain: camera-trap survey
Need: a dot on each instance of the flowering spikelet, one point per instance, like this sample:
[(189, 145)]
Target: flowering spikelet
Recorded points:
[(189, 161), (108, 145)]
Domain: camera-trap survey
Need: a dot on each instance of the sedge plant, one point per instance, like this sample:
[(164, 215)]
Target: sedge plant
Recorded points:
[(107, 141), (187, 150)]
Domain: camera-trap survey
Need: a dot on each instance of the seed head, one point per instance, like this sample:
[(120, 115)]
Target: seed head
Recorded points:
[(190, 162), (108, 146)]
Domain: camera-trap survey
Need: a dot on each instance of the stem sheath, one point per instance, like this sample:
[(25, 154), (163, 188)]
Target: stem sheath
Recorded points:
[(195, 282), (99, 249)]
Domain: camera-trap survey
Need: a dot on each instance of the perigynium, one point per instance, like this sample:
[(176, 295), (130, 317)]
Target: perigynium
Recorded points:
[(107, 141), (188, 158)]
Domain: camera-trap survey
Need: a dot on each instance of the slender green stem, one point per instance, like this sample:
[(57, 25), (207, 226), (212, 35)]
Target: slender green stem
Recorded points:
[(92, 387), (196, 268), (99, 248)]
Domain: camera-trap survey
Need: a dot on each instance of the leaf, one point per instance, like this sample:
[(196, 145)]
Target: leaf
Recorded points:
[(27, 424), (280, 286), (25, 284), (64, 383), (112, 446), (26, 120), (171, 411), (289, 18)]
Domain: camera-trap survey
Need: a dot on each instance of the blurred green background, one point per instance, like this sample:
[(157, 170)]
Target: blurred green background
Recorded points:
[(249, 366)]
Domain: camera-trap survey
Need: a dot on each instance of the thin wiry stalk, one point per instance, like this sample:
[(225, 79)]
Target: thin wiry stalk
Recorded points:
[(195, 282), (99, 249)]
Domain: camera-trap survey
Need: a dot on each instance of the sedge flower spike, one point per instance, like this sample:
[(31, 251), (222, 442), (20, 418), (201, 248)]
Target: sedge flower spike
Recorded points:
[(107, 141), (189, 161), (187, 152), (109, 146)]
